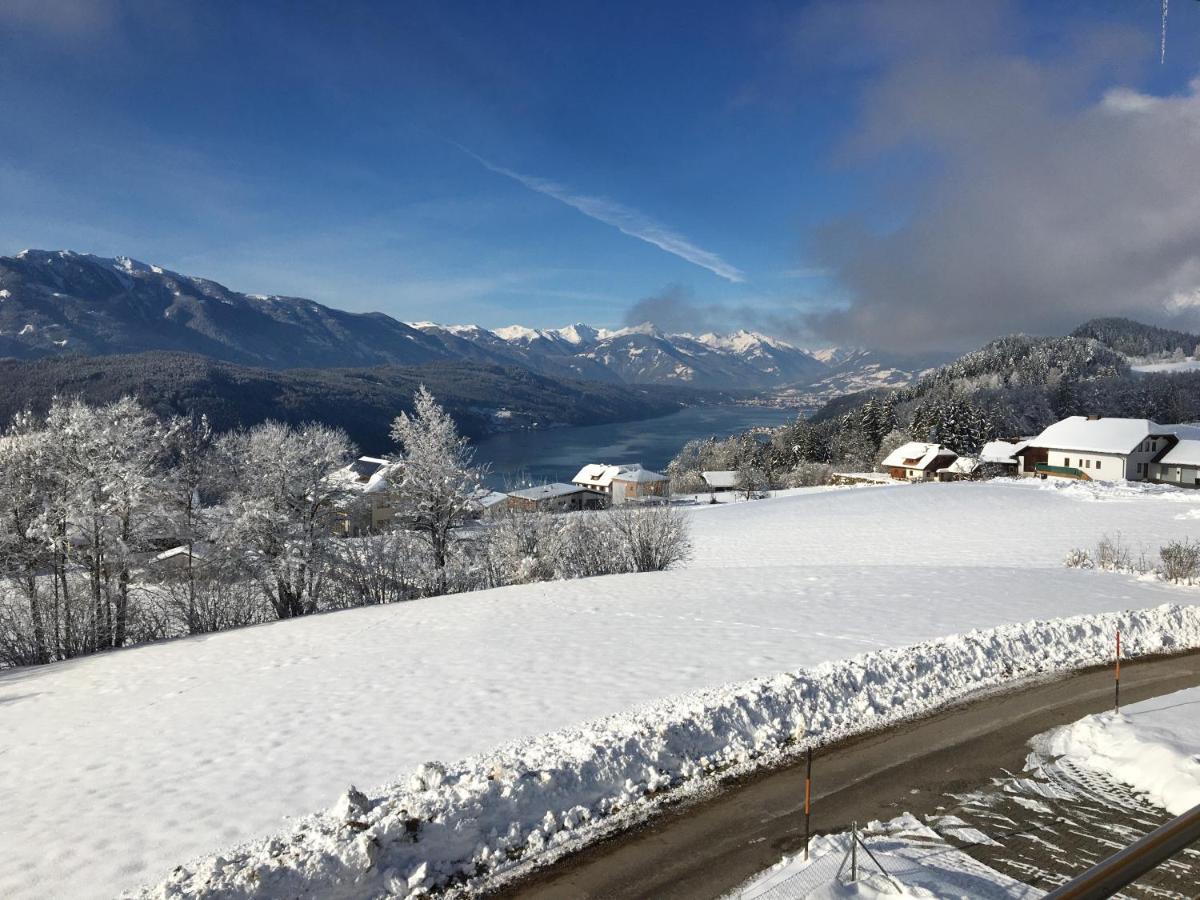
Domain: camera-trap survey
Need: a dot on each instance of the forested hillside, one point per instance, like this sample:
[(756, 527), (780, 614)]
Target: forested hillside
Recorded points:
[(363, 401), (1137, 340), (1011, 387)]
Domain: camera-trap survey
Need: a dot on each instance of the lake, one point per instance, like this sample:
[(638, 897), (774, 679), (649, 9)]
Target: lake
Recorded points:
[(556, 454)]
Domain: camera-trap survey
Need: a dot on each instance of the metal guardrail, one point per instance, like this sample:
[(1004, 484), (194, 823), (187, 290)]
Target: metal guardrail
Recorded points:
[(1125, 866)]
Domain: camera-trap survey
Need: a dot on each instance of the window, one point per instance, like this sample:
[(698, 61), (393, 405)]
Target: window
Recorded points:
[(1067, 461), (1097, 464), (1087, 463)]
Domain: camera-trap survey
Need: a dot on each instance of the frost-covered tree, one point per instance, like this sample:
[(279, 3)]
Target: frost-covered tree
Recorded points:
[(191, 452), (24, 636), (653, 538), (434, 496), (283, 506), (110, 458)]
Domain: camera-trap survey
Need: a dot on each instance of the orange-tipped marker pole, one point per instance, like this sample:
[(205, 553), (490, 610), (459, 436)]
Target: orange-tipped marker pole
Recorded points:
[(807, 800), (1117, 697)]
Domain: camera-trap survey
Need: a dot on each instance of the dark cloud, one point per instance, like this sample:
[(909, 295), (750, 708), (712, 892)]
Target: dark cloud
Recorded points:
[(1052, 191), (673, 310)]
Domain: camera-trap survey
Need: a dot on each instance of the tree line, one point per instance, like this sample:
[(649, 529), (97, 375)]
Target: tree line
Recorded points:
[(119, 527)]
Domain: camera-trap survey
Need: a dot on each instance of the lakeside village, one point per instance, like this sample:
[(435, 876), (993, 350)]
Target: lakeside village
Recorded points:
[(1086, 448), (120, 528)]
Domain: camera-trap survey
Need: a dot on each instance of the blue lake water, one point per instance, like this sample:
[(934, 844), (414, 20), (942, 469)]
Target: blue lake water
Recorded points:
[(556, 454)]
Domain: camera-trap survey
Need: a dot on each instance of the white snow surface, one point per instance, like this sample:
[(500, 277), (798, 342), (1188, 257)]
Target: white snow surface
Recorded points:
[(206, 742), (920, 863), (1152, 746), (1190, 364)]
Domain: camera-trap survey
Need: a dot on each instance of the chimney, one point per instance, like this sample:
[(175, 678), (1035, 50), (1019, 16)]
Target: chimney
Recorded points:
[(1093, 418)]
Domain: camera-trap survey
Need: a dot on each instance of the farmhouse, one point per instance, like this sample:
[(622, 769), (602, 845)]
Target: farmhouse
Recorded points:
[(917, 461), (554, 497), (1097, 449), (640, 485), (1179, 464), (721, 479), (598, 477)]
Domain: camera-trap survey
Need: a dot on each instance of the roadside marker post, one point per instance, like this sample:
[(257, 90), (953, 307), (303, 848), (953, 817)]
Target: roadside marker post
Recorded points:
[(807, 801), (1117, 695)]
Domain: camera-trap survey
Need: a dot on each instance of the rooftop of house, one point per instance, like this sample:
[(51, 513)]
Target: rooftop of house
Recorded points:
[(1185, 453), (1000, 451), (602, 474), (1098, 434), (720, 478), (546, 491), (640, 475), (916, 455), (964, 465)]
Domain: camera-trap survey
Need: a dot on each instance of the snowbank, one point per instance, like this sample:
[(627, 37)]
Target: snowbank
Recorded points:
[(916, 863), (1153, 746), (476, 821)]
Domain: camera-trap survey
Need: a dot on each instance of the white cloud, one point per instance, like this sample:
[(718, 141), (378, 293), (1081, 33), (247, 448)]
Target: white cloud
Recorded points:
[(627, 221)]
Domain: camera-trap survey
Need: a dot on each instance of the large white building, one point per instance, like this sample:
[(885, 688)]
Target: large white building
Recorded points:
[(1098, 448)]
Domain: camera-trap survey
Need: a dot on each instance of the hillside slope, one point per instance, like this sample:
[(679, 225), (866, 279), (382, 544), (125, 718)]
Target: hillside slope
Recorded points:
[(363, 401)]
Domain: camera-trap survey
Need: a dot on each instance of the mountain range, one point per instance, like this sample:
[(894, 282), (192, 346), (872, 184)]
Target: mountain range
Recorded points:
[(58, 302)]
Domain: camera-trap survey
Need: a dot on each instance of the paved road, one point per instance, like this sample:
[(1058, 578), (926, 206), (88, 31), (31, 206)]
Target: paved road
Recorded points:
[(708, 847)]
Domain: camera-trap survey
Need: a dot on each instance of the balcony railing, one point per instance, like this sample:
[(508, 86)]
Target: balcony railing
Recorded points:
[(1062, 471)]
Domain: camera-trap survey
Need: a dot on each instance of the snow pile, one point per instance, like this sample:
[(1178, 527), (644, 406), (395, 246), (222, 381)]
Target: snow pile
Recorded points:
[(491, 815), (1153, 746), (1116, 490), (916, 862)]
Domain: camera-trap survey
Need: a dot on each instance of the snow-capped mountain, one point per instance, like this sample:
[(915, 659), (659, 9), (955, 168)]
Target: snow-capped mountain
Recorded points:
[(60, 302), (645, 355)]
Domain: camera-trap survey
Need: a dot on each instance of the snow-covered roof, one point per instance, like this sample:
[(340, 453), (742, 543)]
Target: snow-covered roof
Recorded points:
[(601, 474), (916, 455), (720, 478), (964, 465), (1185, 453), (640, 475), (1098, 435), (488, 499), (1000, 452), (199, 551), (546, 491)]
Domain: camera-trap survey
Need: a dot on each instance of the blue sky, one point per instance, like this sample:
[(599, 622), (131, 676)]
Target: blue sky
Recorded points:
[(545, 163)]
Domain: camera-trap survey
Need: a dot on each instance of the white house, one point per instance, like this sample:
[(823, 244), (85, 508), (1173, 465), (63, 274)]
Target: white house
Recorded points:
[(918, 461), (1180, 464), (1097, 448), (598, 477)]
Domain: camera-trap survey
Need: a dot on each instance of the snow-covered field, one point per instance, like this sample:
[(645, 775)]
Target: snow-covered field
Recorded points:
[(1190, 364), (161, 753)]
